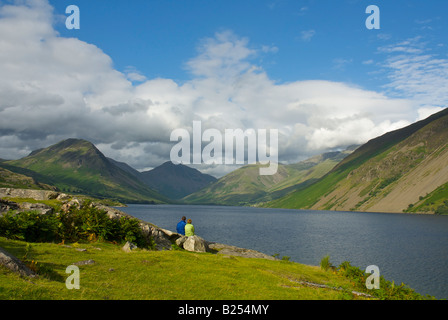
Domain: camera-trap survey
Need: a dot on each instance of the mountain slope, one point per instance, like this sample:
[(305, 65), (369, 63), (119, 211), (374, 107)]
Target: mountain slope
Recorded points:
[(77, 166), (245, 186), (388, 174), (175, 181)]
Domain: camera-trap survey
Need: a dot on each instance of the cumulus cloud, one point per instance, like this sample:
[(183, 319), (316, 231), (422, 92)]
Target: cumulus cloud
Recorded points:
[(53, 88), (417, 73)]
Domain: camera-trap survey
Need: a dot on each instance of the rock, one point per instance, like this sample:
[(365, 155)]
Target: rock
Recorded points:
[(128, 247), (28, 193), (196, 244), (180, 241), (72, 203), (15, 265), (158, 236), (5, 206), (239, 252), (63, 197), (84, 263), (40, 207)]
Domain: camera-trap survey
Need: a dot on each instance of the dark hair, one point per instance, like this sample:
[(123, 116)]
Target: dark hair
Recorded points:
[(184, 217)]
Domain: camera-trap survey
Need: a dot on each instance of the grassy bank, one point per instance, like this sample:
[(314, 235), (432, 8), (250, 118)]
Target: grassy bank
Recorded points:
[(160, 275)]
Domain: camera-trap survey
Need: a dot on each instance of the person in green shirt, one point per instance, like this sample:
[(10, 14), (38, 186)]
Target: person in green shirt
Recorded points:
[(189, 229)]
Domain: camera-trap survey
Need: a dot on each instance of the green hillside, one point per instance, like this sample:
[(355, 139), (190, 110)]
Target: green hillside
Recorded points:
[(245, 186), (389, 174), (77, 166)]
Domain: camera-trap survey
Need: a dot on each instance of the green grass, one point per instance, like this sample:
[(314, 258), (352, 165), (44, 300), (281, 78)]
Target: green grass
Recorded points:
[(167, 275), (436, 201), (160, 275)]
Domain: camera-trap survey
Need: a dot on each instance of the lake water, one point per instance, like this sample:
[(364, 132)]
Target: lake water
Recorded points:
[(406, 248)]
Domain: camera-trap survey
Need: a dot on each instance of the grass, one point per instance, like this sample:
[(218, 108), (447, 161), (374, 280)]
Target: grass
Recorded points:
[(160, 275), (171, 275)]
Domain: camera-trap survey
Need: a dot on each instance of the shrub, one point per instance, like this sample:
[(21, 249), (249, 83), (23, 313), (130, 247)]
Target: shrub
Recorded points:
[(29, 226), (325, 263), (87, 223), (388, 290)]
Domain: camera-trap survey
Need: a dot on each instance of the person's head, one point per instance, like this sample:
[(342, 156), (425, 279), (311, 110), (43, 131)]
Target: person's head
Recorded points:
[(184, 218), (189, 221)]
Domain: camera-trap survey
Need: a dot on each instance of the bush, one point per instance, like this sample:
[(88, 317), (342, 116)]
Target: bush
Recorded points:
[(388, 290), (29, 226), (87, 223), (325, 263)]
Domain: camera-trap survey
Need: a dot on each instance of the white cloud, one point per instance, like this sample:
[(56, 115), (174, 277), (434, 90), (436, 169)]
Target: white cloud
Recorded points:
[(418, 74), (54, 88), (307, 35)]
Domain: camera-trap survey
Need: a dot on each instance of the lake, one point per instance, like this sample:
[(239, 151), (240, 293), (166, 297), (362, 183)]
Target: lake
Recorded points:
[(408, 248)]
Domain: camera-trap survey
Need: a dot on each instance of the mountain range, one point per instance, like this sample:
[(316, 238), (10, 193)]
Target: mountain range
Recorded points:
[(245, 186), (405, 170), (77, 166)]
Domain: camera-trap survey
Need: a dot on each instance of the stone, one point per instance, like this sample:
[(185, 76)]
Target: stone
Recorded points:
[(40, 207), (28, 193), (84, 263), (6, 205), (15, 265), (180, 241), (128, 247), (195, 244), (239, 252)]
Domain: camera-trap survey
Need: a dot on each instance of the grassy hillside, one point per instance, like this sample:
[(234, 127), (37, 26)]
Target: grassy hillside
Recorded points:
[(145, 274), (77, 166), (9, 179), (245, 186), (387, 174)]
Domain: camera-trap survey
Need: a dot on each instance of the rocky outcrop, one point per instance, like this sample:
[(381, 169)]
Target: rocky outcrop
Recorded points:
[(6, 206), (14, 264), (28, 193), (161, 238), (236, 251)]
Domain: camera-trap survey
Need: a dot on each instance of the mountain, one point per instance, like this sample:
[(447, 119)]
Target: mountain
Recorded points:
[(77, 166), (175, 181), (245, 186), (10, 179), (403, 170)]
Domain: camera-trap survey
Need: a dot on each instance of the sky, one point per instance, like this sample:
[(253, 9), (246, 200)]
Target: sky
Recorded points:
[(136, 70)]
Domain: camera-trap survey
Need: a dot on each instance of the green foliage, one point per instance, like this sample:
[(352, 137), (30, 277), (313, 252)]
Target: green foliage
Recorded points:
[(442, 209), (29, 226), (87, 223), (325, 263), (387, 290)]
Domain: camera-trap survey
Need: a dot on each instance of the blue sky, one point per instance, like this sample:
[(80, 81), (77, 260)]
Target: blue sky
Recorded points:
[(137, 70), (323, 39)]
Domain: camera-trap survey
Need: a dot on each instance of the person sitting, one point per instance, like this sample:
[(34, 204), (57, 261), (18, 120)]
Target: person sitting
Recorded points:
[(189, 229), (181, 226)]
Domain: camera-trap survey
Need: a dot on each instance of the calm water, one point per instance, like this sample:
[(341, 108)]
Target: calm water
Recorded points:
[(407, 248)]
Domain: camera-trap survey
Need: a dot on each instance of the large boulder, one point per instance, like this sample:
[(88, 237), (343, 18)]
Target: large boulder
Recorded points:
[(195, 244), (14, 264)]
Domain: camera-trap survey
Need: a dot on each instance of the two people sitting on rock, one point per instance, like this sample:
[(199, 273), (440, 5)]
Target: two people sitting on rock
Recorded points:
[(185, 228)]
